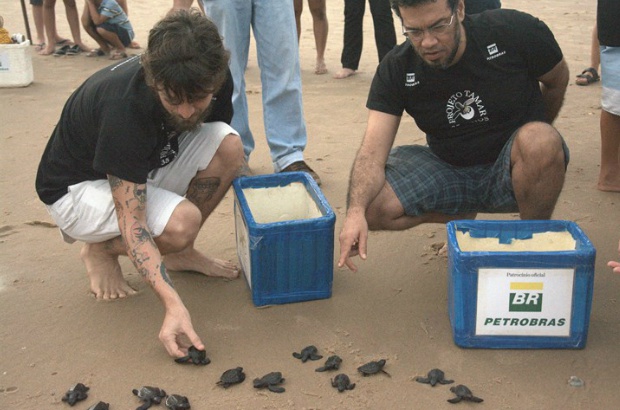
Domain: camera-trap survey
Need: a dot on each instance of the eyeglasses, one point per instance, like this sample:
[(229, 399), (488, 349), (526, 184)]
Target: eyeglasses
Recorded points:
[(417, 34)]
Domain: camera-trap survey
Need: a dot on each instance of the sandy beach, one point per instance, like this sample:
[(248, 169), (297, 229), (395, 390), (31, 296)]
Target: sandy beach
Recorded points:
[(53, 333)]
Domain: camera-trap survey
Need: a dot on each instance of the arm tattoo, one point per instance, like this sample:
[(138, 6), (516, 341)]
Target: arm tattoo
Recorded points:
[(140, 194), (164, 275), (115, 182), (140, 258), (202, 190), (141, 234)]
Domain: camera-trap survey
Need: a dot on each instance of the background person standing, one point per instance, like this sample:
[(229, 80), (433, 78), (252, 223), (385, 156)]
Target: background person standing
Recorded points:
[(385, 35)]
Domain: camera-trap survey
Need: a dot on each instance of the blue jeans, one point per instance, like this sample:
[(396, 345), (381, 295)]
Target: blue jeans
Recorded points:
[(275, 33)]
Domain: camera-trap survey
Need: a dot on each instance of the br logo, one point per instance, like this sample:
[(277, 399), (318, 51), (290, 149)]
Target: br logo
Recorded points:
[(526, 297)]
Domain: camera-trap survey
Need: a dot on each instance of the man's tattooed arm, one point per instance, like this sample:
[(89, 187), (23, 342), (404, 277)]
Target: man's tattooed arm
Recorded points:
[(130, 201)]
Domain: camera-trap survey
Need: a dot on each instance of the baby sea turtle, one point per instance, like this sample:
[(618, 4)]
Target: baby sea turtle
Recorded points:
[(230, 377), (75, 394), (177, 402), (373, 368), (308, 352), (100, 406), (463, 393), (332, 363), (270, 381), (149, 395), (433, 377), (342, 383), (198, 357)]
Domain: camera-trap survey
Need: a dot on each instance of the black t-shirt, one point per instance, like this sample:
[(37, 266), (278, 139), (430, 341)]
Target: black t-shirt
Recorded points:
[(478, 6), (608, 22), (471, 109), (114, 124)]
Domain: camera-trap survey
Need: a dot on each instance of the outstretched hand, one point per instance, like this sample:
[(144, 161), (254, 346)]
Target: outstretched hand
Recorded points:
[(353, 240), (177, 333), (613, 264)]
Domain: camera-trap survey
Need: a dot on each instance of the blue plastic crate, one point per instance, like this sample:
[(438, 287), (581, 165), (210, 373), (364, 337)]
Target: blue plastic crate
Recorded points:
[(524, 299), (288, 261)]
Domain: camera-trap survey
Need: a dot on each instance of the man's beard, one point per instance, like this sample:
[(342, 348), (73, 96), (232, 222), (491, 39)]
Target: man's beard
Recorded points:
[(448, 61), (190, 124)]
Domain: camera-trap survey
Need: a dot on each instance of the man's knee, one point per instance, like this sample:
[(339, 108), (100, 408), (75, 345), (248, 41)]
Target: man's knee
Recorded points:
[(183, 226), (538, 143), (385, 208), (230, 152)]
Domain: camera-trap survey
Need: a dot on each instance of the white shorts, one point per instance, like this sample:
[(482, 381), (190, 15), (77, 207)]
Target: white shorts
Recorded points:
[(86, 213), (610, 74)]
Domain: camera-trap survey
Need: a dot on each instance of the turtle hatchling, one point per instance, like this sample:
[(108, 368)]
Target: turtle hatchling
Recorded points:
[(332, 363), (198, 357), (230, 377), (271, 382), (463, 393), (308, 352), (149, 395), (342, 383), (75, 394), (373, 367), (433, 377), (100, 406), (177, 402)]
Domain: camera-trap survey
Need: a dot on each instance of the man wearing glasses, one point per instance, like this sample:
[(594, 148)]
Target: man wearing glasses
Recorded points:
[(485, 89)]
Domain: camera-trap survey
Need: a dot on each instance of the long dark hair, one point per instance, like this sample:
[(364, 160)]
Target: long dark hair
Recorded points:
[(185, 56)]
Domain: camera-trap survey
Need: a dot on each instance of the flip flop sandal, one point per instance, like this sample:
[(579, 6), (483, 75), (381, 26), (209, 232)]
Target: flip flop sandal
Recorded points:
[(74, 50), (39, 47), (61, 51), (95, 53), (590, 75), (117, 55)]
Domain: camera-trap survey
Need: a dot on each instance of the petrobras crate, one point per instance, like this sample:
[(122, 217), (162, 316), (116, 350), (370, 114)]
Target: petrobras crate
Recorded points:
[(285, 237), (16, 65), (519, 284)]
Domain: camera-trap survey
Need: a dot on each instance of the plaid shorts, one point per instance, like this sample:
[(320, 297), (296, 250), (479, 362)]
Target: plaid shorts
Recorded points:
[(424, 183)]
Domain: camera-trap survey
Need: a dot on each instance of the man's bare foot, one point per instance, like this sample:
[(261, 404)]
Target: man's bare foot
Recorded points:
[(608, 182), (47, 50), (320, 67), (106, 278), (134, 45), (192, 260), (608, 188), (344, 73)]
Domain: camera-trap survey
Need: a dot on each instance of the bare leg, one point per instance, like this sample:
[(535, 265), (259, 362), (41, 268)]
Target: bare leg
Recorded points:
[(177, 241), (206, 191), (538, 170), (609, 176), (299, 8), (91, 29), (37, 15), (595, 57), (387, 213), (49, 21), (320, 28), (74, 23), (104, 271)]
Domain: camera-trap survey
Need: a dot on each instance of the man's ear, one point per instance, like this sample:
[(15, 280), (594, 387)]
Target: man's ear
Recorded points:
[(460, 10)]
